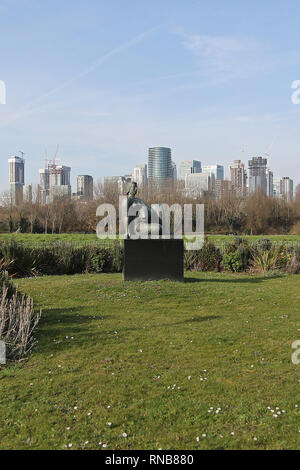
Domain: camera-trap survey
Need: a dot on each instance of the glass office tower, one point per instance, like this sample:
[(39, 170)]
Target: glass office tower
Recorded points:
[(159, 166)]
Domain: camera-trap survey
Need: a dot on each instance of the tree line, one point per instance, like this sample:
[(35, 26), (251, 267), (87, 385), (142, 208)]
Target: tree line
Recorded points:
[(253, 214)]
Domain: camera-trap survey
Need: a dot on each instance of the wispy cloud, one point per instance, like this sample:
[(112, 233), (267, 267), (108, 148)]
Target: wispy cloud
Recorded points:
[(31, 106), (228, 55)]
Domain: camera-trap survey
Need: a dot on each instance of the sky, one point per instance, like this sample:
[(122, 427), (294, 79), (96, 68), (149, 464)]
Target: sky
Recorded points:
[(106, 80)]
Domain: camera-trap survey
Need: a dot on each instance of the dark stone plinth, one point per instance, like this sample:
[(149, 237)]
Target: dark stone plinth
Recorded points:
[(151, 260)]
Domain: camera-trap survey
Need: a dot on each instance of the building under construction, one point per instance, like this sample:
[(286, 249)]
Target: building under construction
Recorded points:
[(54, 182)]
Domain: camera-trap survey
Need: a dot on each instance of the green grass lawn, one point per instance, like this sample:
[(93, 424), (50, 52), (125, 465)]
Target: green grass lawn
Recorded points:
[(81, 238), (157, 360)]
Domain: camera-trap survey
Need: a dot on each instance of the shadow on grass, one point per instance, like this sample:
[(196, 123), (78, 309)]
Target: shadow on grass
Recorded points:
[(71, 325), (167, 325), (237, 280), (57, 320)]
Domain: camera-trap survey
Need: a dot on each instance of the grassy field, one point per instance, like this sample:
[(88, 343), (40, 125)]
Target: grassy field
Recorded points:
[(205, 364), (77, 238)]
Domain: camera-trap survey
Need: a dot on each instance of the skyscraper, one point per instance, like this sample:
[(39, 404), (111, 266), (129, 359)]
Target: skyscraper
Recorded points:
[(258, 174), (85, 187), (16, 176), (276, 186), (44, 186), (287, 188), (173, 171), (140, 175), (60, 175), (159, 166), (238, 177), (16, 170), (216, 170), (27, 193), (54, 182), (270, 184), (223, 189), (189, 166)]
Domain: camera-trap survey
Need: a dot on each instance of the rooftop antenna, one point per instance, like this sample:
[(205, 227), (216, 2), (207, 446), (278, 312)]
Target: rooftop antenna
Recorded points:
[(22, 153)]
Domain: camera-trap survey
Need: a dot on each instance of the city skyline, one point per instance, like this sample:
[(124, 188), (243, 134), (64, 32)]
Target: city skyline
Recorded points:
[(82, 169), (55, 180), (96, 81)]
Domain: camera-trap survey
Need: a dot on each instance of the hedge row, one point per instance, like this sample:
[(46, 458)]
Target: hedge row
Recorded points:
[(61, 258), (65, 258)]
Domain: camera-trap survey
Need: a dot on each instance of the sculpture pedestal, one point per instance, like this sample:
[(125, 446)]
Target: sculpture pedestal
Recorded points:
[(152, 260)]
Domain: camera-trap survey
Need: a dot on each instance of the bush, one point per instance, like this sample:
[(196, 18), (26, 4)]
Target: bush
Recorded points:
[(18, 322), (237, 256), (6, 283), (106, 260), (206, 259), (23, 225), (117, 257), (59, 258), (278, 257), (99, 260), (293, 266), (20, 259), (46, 260), (71, 259), (232, 262)]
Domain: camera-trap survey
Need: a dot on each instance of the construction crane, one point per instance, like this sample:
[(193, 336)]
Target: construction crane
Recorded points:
[(55, 155), (22, 153), (268, 152), (46, 159)]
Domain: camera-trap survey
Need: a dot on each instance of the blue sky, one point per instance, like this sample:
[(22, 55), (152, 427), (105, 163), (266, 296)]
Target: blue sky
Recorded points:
[(108, 79)]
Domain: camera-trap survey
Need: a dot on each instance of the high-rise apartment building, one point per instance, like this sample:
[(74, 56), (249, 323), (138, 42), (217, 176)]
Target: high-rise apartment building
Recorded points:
[(16, 170), (189, 166), (85, 187), (238, 177), (60, 176), (223, 189), (257, 174), (140, 176), (216, 170), (16, 177), (27, 193), (276, 186), (287, 188), (55, 181), (44, 186), (173, 171), (159, 166), (16, 193), (270, 183)]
